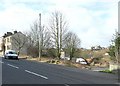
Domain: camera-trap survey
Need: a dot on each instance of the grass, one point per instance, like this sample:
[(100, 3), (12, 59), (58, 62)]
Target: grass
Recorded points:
[(69, 64), (107, 71)]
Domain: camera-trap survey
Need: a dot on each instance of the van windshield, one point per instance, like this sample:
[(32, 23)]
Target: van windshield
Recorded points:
[(12, 53)]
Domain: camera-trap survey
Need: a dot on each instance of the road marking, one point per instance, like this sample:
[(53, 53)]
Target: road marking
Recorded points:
[(13, 66), (1, 62), (66, 84), (117, 83), (36, 74), (97, 70)]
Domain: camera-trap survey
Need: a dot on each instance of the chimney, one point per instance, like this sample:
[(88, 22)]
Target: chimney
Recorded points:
[(9, 33), (15, 32), (5, 34)]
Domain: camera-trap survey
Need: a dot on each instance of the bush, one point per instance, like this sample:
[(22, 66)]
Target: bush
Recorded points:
[(51, 53)]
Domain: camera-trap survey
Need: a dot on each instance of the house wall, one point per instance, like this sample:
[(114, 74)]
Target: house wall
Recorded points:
[(7, 41), (114, 67), (11, 43), (19, 38), (1, 41)]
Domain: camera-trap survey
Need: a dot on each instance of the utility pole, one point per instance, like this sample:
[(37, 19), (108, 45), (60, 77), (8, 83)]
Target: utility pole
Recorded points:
[(39, 36)]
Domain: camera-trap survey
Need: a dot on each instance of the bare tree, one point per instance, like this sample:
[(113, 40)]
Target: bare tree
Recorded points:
[(35, 34), (72, 43), (30, 44), (19, 40), (58, 29), (45, 37)]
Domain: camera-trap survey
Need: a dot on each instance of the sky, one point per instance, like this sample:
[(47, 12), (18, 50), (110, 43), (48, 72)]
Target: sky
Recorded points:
[(94, 21)]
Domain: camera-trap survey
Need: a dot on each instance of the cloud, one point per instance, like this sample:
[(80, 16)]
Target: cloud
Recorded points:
[(94, 21), (17, 17)]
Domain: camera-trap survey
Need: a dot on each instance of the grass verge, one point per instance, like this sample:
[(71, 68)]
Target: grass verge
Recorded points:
[(107, 71)]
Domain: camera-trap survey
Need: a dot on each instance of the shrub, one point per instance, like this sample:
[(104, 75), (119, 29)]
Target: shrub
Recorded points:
[(106, 71)]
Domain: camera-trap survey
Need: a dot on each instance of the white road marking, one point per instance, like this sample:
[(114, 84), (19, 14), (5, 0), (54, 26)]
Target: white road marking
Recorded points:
[(66, 84), (13, 66), (117, 83), (1, 62), (36, 74)]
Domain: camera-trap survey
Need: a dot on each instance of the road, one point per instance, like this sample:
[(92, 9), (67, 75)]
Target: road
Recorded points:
[(31, 72)]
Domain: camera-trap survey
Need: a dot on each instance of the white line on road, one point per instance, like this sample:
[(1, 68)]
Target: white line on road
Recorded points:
[(13, 66), (66, 84), (118, 83), (1, 62), (36, 74)]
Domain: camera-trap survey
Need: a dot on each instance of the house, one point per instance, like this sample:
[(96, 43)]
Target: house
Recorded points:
[(1, 42), (13, 41), (1, 45), (96, 48)]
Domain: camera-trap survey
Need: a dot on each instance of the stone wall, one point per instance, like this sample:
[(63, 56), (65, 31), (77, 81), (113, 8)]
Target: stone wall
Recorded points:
[(1, 53), (114, 66)]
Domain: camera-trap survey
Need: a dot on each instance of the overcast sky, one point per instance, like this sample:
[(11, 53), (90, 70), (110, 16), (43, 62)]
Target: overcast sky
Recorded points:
[(94, 21)]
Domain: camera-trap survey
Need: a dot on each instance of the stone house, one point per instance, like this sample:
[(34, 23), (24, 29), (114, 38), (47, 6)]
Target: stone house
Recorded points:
[(13, 41)]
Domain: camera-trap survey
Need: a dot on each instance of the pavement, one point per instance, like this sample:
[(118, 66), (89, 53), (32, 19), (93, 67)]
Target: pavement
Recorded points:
[(99, 68), (30, 72)]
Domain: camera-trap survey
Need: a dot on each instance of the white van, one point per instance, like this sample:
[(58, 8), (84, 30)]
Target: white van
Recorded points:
[(10, 54)]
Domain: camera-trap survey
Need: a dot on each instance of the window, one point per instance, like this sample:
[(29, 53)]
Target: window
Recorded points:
[(8, 40), (5, 40), (12, 52), (8, 47)]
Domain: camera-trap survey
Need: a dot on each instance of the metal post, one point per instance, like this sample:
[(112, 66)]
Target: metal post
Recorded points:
[(39, 36)]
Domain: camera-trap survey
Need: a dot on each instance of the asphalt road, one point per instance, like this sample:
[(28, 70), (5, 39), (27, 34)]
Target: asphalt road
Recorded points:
[(29, 72)]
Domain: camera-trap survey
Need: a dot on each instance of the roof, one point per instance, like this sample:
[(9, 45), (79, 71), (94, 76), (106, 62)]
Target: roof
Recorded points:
[(11, 34)]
